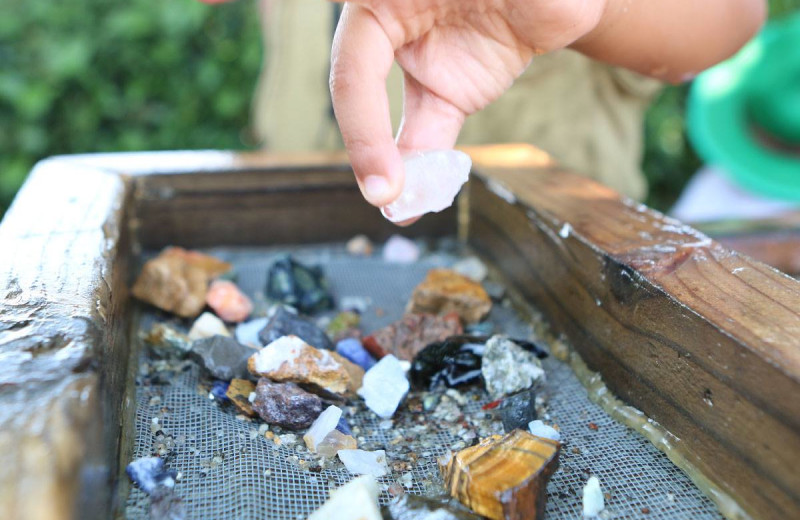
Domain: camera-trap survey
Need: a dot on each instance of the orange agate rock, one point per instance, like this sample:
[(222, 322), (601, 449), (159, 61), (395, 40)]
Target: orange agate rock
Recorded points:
[(445, 290), (503, 478)]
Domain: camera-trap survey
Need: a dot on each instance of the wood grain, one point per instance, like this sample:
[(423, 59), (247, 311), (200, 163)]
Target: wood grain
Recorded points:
[(702, 339)]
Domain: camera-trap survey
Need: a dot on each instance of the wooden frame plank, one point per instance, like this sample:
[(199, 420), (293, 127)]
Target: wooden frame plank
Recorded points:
[(702, 339)]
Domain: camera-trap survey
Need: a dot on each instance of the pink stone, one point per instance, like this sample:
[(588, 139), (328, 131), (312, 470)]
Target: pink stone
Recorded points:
[(228, 302)]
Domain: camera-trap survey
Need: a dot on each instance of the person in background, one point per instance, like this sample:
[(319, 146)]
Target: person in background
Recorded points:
[(573, 77)]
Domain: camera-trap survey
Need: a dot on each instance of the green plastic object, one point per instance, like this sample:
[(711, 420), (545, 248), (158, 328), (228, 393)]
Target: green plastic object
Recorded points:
[(744, 114)]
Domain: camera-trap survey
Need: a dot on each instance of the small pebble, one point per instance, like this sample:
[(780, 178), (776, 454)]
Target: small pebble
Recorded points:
[(400, 250), (593, 501)]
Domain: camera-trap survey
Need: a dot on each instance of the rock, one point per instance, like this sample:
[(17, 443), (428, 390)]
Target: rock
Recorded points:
[(304, 288), (149, 473), (406, 337), (385, 385), (453, 362), (324, 424), (291, 359), (166, 505), (484, 328), (414, 507), (343, 427), (284, 323), (228, 302), (286, 404), (359, 245), (507, 368), (165, 340), (472, 268), (540, 429), (400, 250), (344, 325), (445, 291), (432, 181), (206, 326), (247, 333), (334, 442), (224, 357), (176, 280), (517, 410), (360, 462), (503, 478), (496, 291), (356, 500), (593, 502), (219, 390), (353, 350), (239, 393)]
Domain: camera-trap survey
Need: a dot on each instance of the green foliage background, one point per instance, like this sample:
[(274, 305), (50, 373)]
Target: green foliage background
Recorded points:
[(110, 75)]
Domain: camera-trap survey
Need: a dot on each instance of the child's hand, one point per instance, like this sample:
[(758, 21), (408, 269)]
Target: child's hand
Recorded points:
[(460, 55)]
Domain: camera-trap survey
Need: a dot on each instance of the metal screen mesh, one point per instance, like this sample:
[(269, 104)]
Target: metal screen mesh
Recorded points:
[(230, 471)]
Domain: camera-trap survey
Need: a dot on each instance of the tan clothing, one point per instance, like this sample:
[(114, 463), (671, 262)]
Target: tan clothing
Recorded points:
[(588, 115)]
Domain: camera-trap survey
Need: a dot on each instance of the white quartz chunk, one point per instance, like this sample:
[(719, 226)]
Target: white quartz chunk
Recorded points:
[(540, 429), (384, 386), (325, 423), (433, 179), (472, 268), (593, 501), (356, 500), (400, 250), (207, 325), (360, 462)]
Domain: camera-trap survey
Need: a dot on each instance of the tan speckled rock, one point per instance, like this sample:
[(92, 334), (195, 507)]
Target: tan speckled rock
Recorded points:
[(289, 358), (444, 291), (177, 279)]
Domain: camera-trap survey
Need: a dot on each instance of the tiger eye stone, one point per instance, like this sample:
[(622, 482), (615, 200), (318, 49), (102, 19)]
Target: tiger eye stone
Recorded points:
[(503, 478)]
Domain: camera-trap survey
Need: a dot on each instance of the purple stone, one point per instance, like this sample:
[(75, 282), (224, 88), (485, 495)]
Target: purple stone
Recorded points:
[(286, 404), (219, 389), (352, 349), (343, 427)]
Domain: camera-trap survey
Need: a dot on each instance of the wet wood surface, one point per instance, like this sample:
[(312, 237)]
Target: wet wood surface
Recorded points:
[(703, 340)]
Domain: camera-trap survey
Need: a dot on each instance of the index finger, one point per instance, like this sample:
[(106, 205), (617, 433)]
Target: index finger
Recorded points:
[(361, 57)]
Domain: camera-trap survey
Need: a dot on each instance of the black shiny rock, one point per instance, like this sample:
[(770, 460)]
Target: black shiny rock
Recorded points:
[(456, 361), (284, 323), (413, 507), (453, 362), (304, 288), (286, 404), (517, 410), (223, 356)]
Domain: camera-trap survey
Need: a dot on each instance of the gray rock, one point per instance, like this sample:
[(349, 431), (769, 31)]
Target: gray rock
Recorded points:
[(223, 356), (284, 323), (286, 404), (508, 368), (518, 410)]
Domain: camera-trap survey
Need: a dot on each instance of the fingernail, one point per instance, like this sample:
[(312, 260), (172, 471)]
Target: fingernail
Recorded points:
[(376, 188)]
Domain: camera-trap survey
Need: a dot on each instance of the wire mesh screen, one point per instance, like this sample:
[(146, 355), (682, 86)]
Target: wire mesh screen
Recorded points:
[(231, 468)]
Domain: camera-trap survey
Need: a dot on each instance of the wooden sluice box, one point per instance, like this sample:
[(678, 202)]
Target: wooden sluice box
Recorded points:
[(704, 341)]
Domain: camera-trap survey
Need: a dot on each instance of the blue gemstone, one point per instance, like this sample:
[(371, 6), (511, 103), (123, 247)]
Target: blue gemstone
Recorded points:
[(351, 349), (219, 389)]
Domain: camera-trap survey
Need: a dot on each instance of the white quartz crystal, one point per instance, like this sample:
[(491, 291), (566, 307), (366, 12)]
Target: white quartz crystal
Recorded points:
[(384, 386), (432, 181), (360, 462), (247, 332), (472, 268), (593, 501), (400, 250), (325, 423), (207, 325), (540, 429), (356, 500)]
